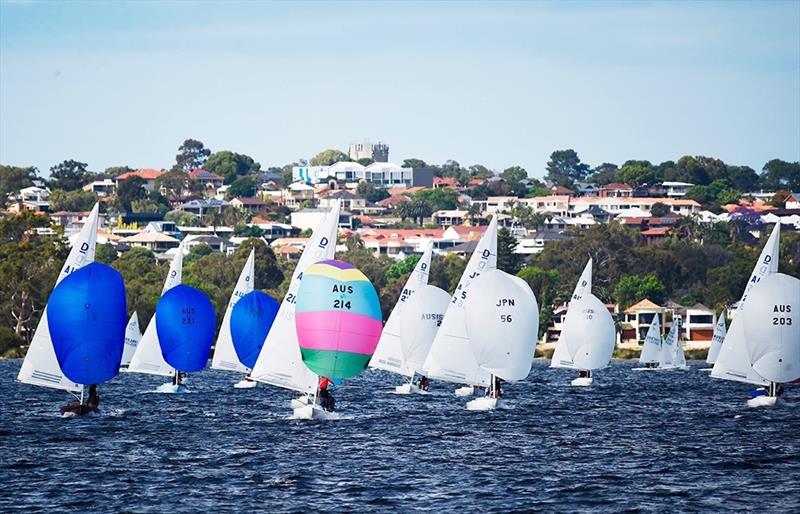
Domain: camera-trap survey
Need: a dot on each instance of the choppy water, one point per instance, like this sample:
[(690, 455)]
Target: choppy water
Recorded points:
[(653, 442)]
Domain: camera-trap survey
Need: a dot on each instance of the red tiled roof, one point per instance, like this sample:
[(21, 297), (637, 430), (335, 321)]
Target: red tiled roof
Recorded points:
[(447, 181), (656, 231), (144, 173), (250, 201), (393, 200), (617, 185), (201, 174)]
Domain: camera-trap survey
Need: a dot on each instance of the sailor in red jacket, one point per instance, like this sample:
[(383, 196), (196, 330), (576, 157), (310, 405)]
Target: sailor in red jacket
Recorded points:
[(327, 401)]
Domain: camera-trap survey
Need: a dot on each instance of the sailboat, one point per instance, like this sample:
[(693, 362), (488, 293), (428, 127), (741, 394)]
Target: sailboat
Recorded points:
[(720, 329), (338, 325), (587, 341), (185, 324), (666, 358), (678, 357), (502, 318), (40, 366), (389, 353), (651, 348), (279, 363), (738, 356), (147, 358), (250, 322), (86, 317), (225, 357), (132, 338), (450, 358)]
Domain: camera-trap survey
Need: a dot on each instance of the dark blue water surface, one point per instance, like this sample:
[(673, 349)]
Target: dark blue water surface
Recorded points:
[(653, 442)]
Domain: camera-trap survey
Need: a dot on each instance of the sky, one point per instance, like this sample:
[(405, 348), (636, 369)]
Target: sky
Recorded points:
[(497, 83)]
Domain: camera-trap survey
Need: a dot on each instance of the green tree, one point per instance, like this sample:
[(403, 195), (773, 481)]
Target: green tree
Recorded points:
[(636, 173), (507, 258), (115, 171), (416, 209), (192, 154), (242, 187), (659, 209), (183, 218), (105, 253), (439, 199), (633, 288), (545, 284), (604, 174), (564, 168), (371, 193), (414, 163), (127, 192), (177, 185), (514, 174), (404, 267), (13, 178), (777, 174), (74, 201), (328, 157), (743, 178), (365, 161), (69, 175), (231, 165)]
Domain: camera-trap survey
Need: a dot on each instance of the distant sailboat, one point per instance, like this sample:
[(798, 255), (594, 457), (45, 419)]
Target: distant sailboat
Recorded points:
[(338, 323), (251, 321), (225, 357), (450, 358), (678, 357), (389, 353), (147, 358), (666, 358), (761, 346), (720, 329), (280, 363), (502, 318), (132, 338), (40, 366), (651, 348), (587, 340), (185, 325)]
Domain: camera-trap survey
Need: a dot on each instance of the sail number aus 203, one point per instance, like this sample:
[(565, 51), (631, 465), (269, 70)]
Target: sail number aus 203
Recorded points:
[(781, 320)]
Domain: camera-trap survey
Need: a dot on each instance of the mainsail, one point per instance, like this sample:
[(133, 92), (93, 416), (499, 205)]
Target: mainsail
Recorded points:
[(451, 358), (720, 329), (132, 338), (733, 361), (651, 347), (388, 355), (280, 363), (224, 353), (667, 356), (148, 357), (40, 366), (422, 317)]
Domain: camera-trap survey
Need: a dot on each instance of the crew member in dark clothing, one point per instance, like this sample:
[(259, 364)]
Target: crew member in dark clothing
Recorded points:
[(424, 383), (94, 398), (327, 401)]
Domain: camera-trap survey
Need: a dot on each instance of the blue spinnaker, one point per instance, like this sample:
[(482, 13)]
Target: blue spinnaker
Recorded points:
[(185, 324), (251, 319), (86, 316)]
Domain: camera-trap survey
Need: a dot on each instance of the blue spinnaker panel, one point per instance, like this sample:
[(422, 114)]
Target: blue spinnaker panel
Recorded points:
[(185, 324), (251, 320), (86, 316)]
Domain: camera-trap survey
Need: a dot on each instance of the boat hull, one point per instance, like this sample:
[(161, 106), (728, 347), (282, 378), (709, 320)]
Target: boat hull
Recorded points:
[(762, 401), (299, 402), (245, 384), (465, 391), (313, 412), (582, 381), (486, 403), (408, 389), (171, 388)]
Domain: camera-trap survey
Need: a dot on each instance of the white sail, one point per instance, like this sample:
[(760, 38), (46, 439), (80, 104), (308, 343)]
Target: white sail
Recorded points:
[(148, 357), (561, 356), (502, 319), (388, 355), (420, 321), (450, 358), (40, 366), (666, 357), (720, 329), (733, 361), (224, 353), (589, 333), (678, 357), (651, 348), (132, 338), (280, 362), (584, 284), (772, 328)]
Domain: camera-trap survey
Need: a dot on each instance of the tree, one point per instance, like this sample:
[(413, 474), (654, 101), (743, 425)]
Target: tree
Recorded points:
[(13, 178), (115, 171), (242, 187), (328, 157), (69, 175), (416, 209), (777, 174), (439, 199), (514, 174), (128, 190), (634, 288), (659, 209), (404, 267), (105, 253), (507, 258), (177, 185), (564, 168), (196, 252), (365, 161), (545, 284), (149, 206), (183, 218), (637, 173), (371, 193), (698, 170), (604, 174), (414, 163), (231, 165), (742, 178), (74, 201), (192, 154)]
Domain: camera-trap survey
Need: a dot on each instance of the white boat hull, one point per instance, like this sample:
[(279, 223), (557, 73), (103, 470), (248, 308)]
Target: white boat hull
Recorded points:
[(465, 391), (762, 401), (245, 384), (646, 369), (171, 388), (408, 389), (299, 402), (486, 403), (582, 381), (707, 370), (312, 412)]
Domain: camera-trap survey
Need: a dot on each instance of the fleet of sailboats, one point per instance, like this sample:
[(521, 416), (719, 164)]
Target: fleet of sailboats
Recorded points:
[(328, 328)]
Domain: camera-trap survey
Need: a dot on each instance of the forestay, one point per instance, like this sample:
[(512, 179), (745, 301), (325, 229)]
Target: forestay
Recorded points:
[(451, 358), (148, 357), (772, 328), (224, 353), (733, 361), (502, 319), (389, 353), (40, 366), (421, 320), (280, 362)]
